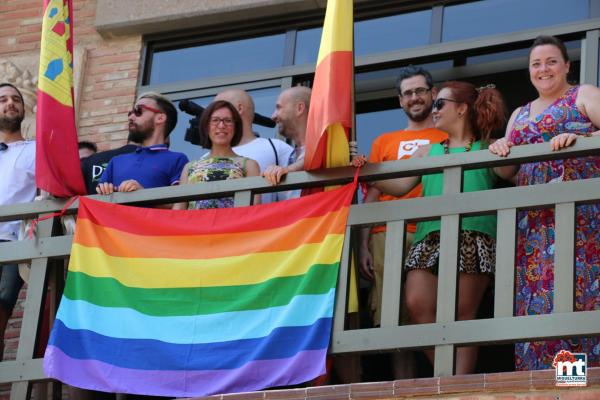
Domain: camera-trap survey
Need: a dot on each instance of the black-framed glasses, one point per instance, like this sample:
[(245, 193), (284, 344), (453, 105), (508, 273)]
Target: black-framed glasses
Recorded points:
[(439, 103), (420, 92), (138, 110), (215, 121)]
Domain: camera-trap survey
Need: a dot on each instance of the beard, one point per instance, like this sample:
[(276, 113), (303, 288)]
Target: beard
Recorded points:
[(419, 116), (137, 135), (283, 129), (11, 124)]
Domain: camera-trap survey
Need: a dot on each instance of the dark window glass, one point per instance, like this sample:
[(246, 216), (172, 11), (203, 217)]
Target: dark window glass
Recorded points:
[(228, 58), (463, 21), (393, 72), (264, 102), (510, 54), (372, 35)]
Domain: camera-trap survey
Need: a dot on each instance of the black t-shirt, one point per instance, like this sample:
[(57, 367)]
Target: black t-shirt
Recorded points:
[(94, 165)]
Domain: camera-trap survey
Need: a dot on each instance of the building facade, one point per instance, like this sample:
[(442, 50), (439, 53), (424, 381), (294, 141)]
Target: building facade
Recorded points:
[(193, 49)]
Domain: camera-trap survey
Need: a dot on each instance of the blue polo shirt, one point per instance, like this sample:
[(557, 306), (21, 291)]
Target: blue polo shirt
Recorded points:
[(152, 166)]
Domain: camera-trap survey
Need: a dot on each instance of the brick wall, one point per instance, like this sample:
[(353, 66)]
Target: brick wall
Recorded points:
[(105, 86)]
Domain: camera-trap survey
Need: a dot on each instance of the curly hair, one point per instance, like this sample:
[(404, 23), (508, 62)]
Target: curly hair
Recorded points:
[(487, 111)]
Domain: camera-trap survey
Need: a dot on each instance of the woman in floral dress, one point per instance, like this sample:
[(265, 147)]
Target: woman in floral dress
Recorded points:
[(220, 130), (560, 115)]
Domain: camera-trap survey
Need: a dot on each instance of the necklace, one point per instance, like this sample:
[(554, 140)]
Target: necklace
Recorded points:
[(446, 144)]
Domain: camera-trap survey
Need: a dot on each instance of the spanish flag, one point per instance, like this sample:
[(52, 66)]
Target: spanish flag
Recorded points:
[(57, 168), (195, 303), (330, 113)]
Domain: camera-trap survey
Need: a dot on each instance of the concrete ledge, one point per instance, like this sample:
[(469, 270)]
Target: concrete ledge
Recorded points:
[(531, 385), (118, 17)]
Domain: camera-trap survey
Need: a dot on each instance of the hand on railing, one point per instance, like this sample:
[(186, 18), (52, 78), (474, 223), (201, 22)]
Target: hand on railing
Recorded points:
[(130, 185), (274, 173), (358, 161), (501, 147), (563, 140)]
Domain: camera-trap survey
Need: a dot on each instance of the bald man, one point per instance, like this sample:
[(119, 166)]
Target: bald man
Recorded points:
[(266, 152), (291, 116)]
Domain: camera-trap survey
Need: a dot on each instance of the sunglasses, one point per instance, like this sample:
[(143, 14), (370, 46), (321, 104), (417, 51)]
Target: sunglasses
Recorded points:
[(439, 103), (139, 110)]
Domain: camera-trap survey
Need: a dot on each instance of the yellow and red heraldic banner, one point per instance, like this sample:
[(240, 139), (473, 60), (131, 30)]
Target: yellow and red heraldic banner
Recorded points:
[(330, 113), (57, 168)]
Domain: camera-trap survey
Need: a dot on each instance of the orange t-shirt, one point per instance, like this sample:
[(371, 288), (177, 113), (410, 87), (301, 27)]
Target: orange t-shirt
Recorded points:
[(398, 145)]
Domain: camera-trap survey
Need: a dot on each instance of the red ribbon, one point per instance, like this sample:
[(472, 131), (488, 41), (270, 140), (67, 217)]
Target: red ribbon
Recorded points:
[(60, 213)]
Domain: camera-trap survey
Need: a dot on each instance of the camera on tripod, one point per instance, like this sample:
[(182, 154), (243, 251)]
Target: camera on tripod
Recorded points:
[(192, 133)]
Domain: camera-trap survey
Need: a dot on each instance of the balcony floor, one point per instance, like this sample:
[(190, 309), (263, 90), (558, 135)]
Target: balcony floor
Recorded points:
[(530, 385)]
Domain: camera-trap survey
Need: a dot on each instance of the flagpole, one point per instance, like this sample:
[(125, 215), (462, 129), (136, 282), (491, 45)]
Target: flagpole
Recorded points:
[(353, 145)]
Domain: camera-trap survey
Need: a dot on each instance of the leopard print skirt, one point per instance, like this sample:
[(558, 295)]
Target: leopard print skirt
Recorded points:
[(477, 253)]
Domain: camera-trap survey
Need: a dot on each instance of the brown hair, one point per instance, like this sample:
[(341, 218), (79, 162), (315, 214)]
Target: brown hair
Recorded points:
[(6, 84), (165, 105), (543, 40), (205, 122), (486, 109)]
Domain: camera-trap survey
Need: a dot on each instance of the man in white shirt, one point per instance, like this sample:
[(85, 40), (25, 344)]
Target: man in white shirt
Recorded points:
[(265, 152), (17, 185)]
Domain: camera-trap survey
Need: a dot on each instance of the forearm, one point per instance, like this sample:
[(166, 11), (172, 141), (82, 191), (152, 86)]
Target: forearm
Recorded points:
[(296, 166), (398, 187), (506, 172)]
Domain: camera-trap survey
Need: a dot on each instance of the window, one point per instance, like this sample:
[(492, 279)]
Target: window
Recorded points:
[(219, 59), (203, 70), (469, 20), (372, 35)]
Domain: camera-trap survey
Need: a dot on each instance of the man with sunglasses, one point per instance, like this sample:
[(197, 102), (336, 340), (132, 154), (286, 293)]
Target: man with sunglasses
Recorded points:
[(416, 94), (152, 164)]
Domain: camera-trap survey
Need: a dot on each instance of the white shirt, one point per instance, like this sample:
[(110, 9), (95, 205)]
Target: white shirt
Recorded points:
[(17, 181), (262, 152)]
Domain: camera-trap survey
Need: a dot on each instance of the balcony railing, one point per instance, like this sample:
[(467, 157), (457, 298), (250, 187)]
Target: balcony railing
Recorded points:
[(445, 333)]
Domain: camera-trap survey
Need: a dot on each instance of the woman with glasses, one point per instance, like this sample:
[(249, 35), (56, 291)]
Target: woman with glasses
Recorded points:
[(220, 130), (468, 115), (560, 114)]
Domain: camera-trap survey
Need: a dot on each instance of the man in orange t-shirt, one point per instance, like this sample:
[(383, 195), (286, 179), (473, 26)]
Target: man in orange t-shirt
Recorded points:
[(416, 94)]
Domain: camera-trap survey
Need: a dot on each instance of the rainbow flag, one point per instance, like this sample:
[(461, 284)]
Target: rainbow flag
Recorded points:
[(330, 113), (57, 168), (194, 303)]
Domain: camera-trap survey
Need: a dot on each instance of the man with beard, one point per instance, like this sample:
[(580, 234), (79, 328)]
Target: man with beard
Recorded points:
[(152, 165), (291, 116), (17, 185), (416, 94)]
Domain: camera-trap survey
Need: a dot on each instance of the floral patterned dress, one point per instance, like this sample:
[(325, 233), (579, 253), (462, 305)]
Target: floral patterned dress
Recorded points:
[(535, 248), (211, 169)]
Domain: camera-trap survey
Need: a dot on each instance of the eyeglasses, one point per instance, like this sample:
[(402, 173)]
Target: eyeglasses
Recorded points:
[(215, 121), (439, 103), (139, 110), (420, 92)]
